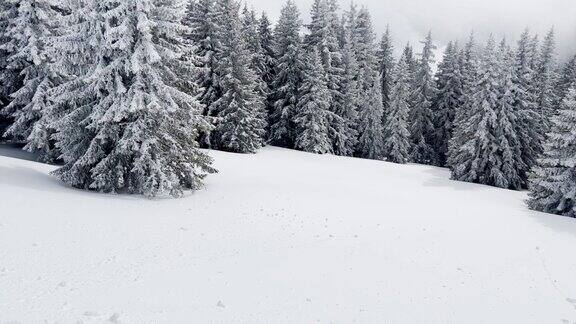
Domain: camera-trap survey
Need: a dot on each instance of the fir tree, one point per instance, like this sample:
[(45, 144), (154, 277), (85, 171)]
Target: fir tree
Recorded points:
[(531, 121), (370, 142), (319, 35), (348, 24), (130, 128), (10, 78), (350, 99), (469, 64), (369, 130), (386, 66), (251, 36), (411, 61), (448, 99), (240, 109), (421, 116), (202, 20), (472, 150), (287, 77), (508, 156), (567, 78), (313, 117), (553, 184), (547, 76), (489, 154), (33, 28), (268, 55), (324, 37), (365, 49), (396, 132)]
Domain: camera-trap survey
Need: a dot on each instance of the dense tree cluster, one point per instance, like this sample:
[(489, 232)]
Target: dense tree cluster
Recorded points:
[(124, 92)]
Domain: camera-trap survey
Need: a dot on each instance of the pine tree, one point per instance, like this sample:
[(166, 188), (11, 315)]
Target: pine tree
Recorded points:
[(129, 127), (386, 66), (31, 33), (396, 133), (531, 121), (365, 49), (370, 142), (369, 129), (350, 98), (269, 57), (567, 78), (287, 77), (411, 60), (323, 36), (240, 109), (10, 78), (313, 117), (469, 63), (489, 154), (319, 35), (553, 184), (421, 116), (251, 36), (547, 76), (202, 20), (508, 155), (348, 23), (448, 99)]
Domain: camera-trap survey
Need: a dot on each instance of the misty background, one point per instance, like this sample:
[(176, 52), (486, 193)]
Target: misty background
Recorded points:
[(410, 20)]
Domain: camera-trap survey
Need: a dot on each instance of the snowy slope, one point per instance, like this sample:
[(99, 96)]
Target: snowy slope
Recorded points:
[(283, 237)]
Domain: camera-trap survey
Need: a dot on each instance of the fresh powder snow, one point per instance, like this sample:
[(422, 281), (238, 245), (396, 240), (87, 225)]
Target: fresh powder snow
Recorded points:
[(328, 240)]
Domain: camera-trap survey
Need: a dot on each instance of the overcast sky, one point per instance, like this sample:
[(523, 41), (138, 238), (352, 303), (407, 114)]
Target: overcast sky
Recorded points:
[(410, 20)]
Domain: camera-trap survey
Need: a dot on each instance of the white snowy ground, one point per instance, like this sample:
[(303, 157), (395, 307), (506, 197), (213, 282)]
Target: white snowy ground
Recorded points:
[(283, 237)]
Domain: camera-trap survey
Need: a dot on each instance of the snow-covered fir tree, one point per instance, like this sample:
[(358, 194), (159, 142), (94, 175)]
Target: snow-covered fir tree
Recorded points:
[(350, 97), (547, 76), (530, 129), (287, 75), (129, 127), (10, 78), (202, 20), (268, 55), (320, 34), (447, 100), (249, 25), (370, 142), (408, 51), (31, 32), (396, 132), (553, 184), (534, 48), (323, 36), (240, 109), (369, 130), (250, 34), (421, 116), (508, 155), (13, 38), (386, 65), (489, 153), (313, 117), (75, 50), (363, 40), (469, 62), (567, 78)]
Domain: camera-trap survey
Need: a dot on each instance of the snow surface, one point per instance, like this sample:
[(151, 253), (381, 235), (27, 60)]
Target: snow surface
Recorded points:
[(283, 237)]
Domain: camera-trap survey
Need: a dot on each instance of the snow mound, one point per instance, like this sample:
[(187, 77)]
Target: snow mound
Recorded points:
[(283, 237)]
